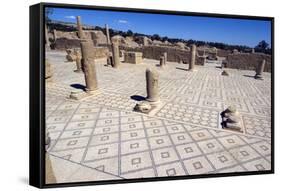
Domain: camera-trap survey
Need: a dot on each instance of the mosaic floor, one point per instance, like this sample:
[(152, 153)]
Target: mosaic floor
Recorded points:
[(100, 138)]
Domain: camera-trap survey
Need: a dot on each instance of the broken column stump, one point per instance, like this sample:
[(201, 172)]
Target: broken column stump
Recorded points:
[(259, 70), (192, 58), (80, 28), (88, 67), (152, 86), (115, 55), (48, 71), (231, 119)]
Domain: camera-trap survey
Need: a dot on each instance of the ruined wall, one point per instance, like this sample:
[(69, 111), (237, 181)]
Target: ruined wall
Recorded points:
[(223, 53), (248, 61), (65, 40), (154, 52)]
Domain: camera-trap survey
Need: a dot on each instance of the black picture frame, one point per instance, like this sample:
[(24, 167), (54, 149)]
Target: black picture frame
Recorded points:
[(37, 95)]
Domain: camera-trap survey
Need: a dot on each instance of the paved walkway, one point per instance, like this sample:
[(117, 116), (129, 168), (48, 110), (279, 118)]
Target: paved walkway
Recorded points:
[(183, 137)]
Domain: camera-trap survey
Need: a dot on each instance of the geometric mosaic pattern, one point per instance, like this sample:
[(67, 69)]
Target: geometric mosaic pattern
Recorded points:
[(103, 135)]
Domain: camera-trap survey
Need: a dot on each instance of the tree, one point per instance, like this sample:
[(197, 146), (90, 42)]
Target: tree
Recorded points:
[(130, 33), (262, 46)]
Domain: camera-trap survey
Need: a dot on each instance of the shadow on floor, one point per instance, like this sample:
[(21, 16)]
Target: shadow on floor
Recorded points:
[(137, 98), (182, 69), (249, 76), (78, 86)]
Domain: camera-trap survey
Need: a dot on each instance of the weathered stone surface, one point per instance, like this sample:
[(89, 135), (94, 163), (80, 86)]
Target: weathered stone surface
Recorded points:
[(88, 67), (109, 61), (70, 57), (55, 34), (107, 34), (133, 57), (248, 61), (48, 70), (115, 55), (143, 107), (260, 69), (152, 85), (80, 28), (47, 140), (192, 58), (47, 42), (49, 172), (162, 62), (231, 119)]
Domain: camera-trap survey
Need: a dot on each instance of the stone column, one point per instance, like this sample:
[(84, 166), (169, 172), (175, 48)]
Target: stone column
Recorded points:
[(162, 61), (165, 58), (48, 71), (78, 61), (260, 70), (192, 58), (55, 34), (115, 54), (80, 28), (107, 34), (152, 78), (88, 66), (47, 37)]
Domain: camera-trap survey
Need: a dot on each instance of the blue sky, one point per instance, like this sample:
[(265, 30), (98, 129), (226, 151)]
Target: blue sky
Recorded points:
[(230, 31)]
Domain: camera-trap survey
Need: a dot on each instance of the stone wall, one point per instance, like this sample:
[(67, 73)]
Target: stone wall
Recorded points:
[(248, 61), (154, 52), (67, 40)]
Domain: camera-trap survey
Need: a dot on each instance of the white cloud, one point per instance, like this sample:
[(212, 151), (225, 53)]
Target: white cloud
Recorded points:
[(70, 17), (122, 21)]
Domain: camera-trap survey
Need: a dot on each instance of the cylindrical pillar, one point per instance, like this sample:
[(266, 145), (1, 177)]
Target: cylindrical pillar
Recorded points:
[(165, 58), (152, 78), (47, 37), (192, 57), (107, 34), (260, 69), (115, 55), (162, 61), (88, 66), (80, 28)]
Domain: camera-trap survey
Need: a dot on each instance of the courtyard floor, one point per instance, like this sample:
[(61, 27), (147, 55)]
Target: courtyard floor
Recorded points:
[(101, 138)]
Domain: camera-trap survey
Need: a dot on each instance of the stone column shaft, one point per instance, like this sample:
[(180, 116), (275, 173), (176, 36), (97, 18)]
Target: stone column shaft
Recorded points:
[(80, 28), (115, 55), (107, 34), (260, 69), (88, 66), (165, 58), (55, 34), (162, 61), (47, 36), (152, 78), (192, 57)]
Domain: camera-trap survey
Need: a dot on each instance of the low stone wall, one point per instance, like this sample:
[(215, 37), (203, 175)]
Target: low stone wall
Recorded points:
[(64, 43), (173, 54), (248, 61)]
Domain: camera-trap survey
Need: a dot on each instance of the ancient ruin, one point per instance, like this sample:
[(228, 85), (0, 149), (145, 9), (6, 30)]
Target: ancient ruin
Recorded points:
[(260, 70), (133, 57), (107, 34), (124, 108), (115, 54), (231, 119), (192, 58), (152, 86), (88, 67), (80, 28)]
